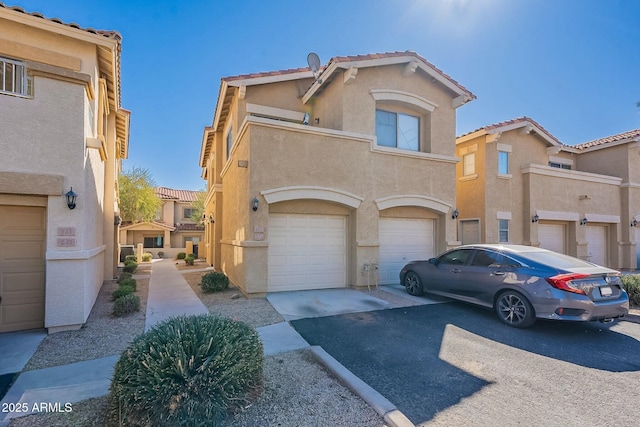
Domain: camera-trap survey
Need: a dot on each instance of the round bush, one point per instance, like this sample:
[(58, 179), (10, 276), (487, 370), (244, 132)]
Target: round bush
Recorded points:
[(124, 276), (130, 266), (187, 371), (189, 260), (133, 258), (147, 256), (130, 282), (126, 304), (631, 284), (122, 291), (181, 255), (214, 282)]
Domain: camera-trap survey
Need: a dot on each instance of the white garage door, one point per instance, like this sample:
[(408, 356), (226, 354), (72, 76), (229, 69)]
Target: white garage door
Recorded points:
[(403, 240), (307, 252), (638, 247), (552, 237), (597, 244), (22, 266)]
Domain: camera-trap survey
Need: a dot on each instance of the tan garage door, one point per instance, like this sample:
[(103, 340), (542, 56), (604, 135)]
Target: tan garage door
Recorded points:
[(22, 266)]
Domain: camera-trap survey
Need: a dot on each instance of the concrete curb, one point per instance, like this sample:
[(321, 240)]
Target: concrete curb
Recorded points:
[(378, 402)]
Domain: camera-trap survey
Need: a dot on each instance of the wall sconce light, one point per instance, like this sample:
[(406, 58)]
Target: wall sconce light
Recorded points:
[(117, 220), (211, 221), (535, 218), (634, 222), (317, 120), (254, 204), (584, 221), (71, 198), (455, 214)]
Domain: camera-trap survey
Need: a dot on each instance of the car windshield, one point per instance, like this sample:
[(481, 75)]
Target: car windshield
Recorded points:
[(556, 260)]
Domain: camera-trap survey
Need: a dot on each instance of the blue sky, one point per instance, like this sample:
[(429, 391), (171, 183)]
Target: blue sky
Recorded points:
[(571, 65)]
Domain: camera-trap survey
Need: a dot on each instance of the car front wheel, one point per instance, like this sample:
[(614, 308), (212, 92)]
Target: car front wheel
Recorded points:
[(514, 310), (412, 283)]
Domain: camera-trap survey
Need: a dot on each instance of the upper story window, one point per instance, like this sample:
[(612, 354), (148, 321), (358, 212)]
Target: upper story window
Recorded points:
[(398, 130), (229, 141), (187, 213), (503, 162), (469, 164), (14, 79), (560, 165)]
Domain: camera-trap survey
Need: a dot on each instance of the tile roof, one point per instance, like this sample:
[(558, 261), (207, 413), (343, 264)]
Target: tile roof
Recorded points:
[(517, 120), (630, 135), (188, 196), (105, 33), (181, 226), (266, 74)]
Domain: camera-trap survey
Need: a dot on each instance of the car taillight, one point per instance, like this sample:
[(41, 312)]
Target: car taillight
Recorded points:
[(563, 282)]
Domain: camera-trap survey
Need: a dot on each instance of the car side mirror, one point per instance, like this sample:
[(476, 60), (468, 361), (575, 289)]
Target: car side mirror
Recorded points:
[(433, 261)]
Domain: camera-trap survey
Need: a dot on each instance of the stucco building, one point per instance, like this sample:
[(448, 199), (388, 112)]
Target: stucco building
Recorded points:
[(329, 180), (63, 128), (174, 230), (517, 183)]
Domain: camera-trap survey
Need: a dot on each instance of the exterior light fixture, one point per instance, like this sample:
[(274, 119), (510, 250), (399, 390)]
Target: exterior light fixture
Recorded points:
[(71, 198), (535, 218), (634, 222), (584, 221), (455, 214), (211, 221), (254, 204), (117, 220)]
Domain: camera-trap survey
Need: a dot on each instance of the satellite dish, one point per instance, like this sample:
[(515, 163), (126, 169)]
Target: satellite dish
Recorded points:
[(314, 63)]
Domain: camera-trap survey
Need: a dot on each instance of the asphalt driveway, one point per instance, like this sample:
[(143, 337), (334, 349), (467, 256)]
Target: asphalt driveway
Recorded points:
[(456, 364)]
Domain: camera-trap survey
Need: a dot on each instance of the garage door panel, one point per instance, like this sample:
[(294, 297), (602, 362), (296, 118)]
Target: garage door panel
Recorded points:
[(552, 237), (403, 240), (306, 252), (22, 267), (597, 244)]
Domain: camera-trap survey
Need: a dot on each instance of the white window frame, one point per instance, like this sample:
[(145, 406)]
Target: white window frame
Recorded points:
[(469, 164), (500, 155), (501, 228), (399, 114), (20, 78)]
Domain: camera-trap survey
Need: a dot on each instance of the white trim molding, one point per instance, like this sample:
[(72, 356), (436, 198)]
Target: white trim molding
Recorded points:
[(571, 174), (413, 200), (283, 194), (558, 215), (611, 219), (503, 215), (404, 97)]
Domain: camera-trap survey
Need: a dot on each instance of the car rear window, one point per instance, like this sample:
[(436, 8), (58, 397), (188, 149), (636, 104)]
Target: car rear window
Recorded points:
[(556, 260)]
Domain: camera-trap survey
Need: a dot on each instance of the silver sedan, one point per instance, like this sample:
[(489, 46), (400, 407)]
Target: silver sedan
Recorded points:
[(521, 283)]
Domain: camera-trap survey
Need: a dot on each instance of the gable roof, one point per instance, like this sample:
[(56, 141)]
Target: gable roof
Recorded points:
[(187, 196), (412, 60), (527, 125)]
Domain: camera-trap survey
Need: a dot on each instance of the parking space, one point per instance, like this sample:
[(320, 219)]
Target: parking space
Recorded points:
[(456, 364)]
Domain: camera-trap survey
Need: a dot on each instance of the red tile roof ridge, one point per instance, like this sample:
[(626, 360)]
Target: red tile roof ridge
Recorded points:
[(266, 74), (521, 119), (166, 193), (105, 33), (631, 135)]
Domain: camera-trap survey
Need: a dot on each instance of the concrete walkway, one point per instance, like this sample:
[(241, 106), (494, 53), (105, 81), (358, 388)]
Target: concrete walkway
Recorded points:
[(170, 295)]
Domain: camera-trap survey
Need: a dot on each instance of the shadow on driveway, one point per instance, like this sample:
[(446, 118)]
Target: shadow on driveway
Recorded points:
[(397, 351)]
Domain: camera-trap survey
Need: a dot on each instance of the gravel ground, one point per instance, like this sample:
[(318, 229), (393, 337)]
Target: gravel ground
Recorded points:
[(298, 392)]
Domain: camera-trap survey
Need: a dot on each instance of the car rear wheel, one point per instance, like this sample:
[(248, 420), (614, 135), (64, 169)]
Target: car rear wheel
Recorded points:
[(412, 283), (514, 310)]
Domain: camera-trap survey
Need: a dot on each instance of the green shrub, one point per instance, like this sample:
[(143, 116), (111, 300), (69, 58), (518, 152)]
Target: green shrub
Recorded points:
[(160, 254), (130, 266), (133, 258), (126, 304), (214, 282), (190, 259), (147, 256), (122, 291), (124, 276), (631, 284), (187, 371), (181, 255), (130, 282)]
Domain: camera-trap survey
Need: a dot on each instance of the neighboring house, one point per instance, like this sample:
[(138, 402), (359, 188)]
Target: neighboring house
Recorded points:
[(174, 229), (517, 183), (62, 127), (328, 182)]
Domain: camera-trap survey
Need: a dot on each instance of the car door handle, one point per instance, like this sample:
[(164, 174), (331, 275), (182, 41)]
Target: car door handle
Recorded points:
[(455, 270), (498, 273)]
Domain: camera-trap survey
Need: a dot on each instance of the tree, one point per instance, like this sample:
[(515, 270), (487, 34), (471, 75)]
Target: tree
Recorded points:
[(138, 200), (197, 207)]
